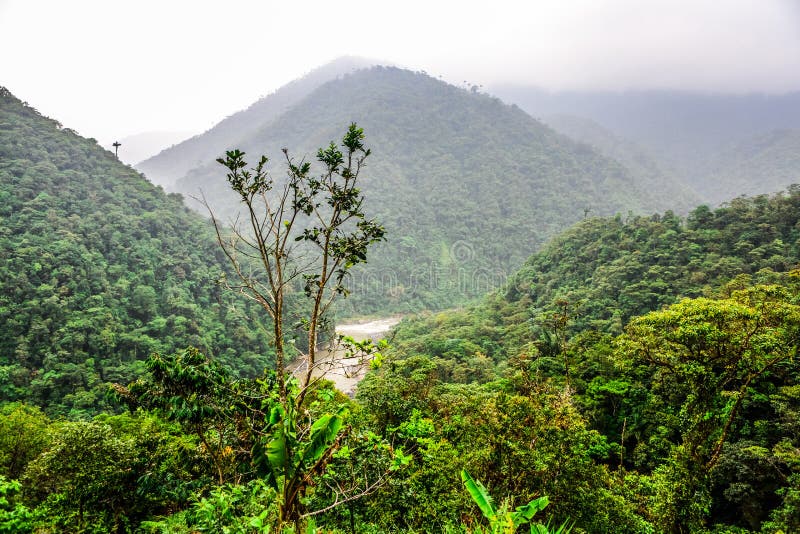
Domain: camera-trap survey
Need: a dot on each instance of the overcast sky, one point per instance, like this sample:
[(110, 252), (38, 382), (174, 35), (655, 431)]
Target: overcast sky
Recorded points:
[(109, 69)]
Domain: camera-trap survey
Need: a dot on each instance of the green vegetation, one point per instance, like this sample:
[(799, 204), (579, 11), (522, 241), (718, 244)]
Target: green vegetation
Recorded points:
[(99, 269), (689, 403), (773, 157), (637, 375), (641, 163), (602, 272)]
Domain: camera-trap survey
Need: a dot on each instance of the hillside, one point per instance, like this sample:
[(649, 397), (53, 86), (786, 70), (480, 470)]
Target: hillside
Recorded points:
[(608, 270), (687, 133), (773, 158), (674, 340), (636, 159), (465, 185), (172, 163), (99, 269)]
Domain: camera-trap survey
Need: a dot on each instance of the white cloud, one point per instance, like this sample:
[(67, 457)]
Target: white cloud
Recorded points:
[(115, 68)]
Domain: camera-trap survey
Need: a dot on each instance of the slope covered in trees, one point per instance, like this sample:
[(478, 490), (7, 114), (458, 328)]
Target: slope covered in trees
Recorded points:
[(166, 167), (637, 159), (465, 185), (694, 400), (768, 162), (604, 271), (99, 269)]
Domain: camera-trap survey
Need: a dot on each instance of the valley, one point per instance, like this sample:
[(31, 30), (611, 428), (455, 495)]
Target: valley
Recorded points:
[(590, 301)]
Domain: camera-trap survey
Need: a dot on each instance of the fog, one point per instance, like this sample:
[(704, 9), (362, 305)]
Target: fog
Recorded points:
[(109, 70)]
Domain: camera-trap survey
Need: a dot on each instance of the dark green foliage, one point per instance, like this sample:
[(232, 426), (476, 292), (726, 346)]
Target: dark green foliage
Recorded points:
[(87, 477), (99, 269)]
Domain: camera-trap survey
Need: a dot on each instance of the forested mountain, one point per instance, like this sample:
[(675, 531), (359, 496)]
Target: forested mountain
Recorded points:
[(465, 185), (635, 158), (99, 269), (768, 162), (166, 167), (692, 135)]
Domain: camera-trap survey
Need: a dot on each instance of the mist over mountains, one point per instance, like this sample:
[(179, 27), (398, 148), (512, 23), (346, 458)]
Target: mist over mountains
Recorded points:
[(692, 136)]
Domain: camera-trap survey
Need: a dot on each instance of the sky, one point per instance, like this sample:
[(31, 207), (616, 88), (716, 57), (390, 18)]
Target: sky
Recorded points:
[(111, 69)]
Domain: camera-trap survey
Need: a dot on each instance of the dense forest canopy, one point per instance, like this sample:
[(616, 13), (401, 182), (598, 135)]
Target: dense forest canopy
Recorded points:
[(100, 268), (604, 271), (690, 397)]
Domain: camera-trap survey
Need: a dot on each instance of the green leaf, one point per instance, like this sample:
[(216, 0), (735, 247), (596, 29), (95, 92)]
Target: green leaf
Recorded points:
[(323, 435), (479, 494), (528, 511)]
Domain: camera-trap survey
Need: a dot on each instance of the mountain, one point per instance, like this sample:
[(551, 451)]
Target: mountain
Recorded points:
[(465, 185), (766, 163), (172, 163), (636, 159), (99, 269), (139, 147), (686, 132)]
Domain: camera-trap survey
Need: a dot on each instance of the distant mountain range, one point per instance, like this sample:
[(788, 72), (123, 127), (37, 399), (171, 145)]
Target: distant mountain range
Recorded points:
[(466, 185), (697, 138)]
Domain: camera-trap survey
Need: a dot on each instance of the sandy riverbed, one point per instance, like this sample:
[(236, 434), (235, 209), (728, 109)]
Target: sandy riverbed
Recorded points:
[(344, 372)]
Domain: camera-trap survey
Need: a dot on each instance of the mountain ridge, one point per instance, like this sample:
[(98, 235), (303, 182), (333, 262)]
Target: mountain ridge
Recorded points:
[(172, 163), (450, 167)]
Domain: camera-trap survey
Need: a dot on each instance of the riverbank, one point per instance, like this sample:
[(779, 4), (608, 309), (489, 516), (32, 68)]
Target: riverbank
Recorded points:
[(345, 372)]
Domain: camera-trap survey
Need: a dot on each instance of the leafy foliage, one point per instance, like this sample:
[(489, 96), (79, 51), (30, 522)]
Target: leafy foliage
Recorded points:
[(99, 269)]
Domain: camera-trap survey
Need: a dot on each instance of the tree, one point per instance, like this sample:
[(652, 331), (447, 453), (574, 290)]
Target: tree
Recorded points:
[(87, 477), (707, 357), (24, 434), (307, 230), (324, 212)]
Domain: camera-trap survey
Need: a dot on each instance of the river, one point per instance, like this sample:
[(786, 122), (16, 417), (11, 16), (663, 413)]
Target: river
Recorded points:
[(345, 372)]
